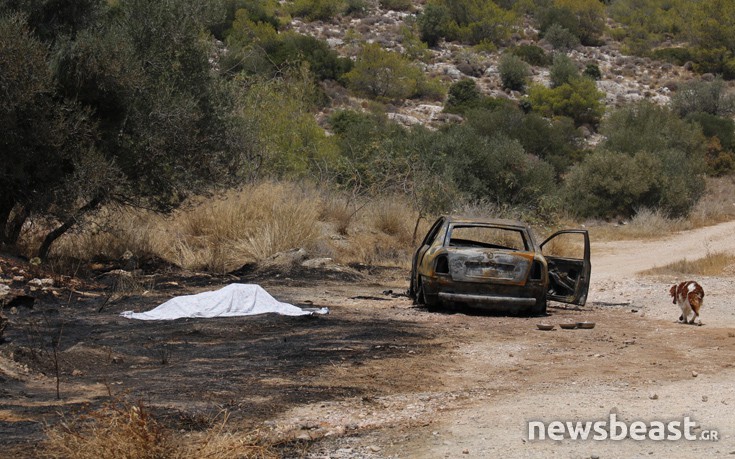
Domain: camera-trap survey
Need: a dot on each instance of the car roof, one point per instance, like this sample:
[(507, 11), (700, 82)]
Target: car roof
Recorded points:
[(485, 221)]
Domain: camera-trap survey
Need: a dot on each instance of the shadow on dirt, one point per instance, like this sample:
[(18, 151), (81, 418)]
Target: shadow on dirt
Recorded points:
[(255, 367)]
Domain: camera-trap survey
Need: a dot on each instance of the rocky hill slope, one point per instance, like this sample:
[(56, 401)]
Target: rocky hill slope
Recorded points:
[(624, 78)]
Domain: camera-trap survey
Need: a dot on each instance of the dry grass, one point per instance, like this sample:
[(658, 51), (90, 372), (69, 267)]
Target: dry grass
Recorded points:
[(713, 264), (223, 233), (249, 225), (565, 245), (124, 431)]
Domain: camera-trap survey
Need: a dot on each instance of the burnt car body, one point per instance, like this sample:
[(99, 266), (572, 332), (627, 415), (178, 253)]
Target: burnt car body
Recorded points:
[(496, 265)]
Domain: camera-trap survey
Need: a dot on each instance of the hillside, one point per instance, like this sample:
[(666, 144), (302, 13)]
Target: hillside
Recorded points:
[(624, 78)]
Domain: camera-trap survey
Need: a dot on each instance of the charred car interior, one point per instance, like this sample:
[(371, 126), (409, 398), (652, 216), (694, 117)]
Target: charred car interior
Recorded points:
[(497, 265)]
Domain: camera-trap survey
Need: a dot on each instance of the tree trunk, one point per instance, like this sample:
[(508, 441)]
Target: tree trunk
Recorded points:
[(6, 207), (416, 229), (15, 225), (43, 251)]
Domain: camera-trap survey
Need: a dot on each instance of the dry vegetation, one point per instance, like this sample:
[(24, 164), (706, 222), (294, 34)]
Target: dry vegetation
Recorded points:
[(222, 233), (124, 431), (713, 264)]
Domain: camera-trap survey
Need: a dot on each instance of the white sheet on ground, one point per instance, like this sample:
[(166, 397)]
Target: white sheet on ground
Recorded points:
[(232, 300)]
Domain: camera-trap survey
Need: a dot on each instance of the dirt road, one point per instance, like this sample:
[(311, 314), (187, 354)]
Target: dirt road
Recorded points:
[(637, 363), (380, 378)]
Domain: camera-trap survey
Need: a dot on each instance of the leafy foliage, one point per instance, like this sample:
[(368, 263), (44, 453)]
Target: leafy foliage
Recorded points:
[(579, 100), (513, 72), (563, 71), (468, 21), (651, 159), (561, 38), (384, 74), (608, 184), (532, 54), (703, 97), (317, 10)]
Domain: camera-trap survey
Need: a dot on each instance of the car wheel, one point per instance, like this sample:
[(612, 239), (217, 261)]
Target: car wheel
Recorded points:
[(539, 309), (421, 297)]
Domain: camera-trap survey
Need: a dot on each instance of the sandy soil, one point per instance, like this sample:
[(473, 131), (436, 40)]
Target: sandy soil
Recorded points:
[(380, 378)]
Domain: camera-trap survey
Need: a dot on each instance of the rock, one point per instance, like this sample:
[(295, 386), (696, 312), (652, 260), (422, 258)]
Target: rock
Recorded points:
[(36, 282), (4, 290), (317, 263), (704, 398), (653, 396), (77, 373), (374, 448), (694, 374)]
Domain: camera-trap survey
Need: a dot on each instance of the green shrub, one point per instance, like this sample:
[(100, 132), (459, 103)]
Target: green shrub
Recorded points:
[(494, 169), (317, 10), (561, 38), (433, 23), (676, 56), (462, 95), (703, 97), (715, 126), (397, 5), (612, 184), (555, 141), (592, 71), (513, 72), (356, 7), (384, 74), (648, 127), (469, 21), (291, 49), (532, 54), (579, 100), (563, 70)]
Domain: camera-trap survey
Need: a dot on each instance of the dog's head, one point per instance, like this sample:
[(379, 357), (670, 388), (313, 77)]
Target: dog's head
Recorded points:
[(672, 292)]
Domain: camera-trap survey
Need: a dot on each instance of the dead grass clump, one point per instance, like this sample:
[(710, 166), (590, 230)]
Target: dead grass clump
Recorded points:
[(713, 264), (341, 212), (646, 224), (718, 203), (375, 249), (244, 226), (114, 432), (123, 431), (394, 217)]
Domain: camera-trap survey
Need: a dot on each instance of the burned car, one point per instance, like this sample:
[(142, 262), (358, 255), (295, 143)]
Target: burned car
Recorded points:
[(497, 265)]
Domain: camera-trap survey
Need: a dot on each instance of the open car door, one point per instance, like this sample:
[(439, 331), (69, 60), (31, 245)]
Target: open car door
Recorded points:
[(569, 265)]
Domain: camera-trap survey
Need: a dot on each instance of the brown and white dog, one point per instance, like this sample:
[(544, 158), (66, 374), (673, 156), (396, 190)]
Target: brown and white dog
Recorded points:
[(689, 295)]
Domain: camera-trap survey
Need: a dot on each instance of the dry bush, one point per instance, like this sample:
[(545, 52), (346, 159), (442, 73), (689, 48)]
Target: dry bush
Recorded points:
[(375, 249), (713, 264), (394, 217), (341, 211), (219, 442), (114, 432), (717, 205), (646, 224), (124, 431), (249, 225), (113, 232)]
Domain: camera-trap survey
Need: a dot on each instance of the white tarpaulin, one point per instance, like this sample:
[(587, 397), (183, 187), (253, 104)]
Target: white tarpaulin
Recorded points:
[(233, 300)]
